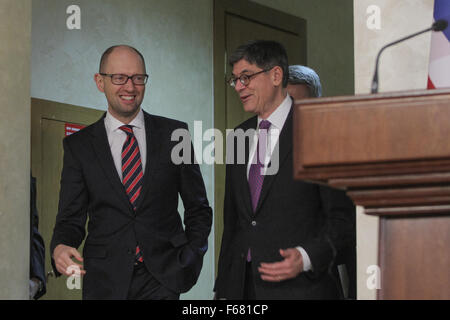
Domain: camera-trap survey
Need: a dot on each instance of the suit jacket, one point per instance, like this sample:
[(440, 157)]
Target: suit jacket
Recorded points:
[(289, 213), (37, 245), (91, 187)]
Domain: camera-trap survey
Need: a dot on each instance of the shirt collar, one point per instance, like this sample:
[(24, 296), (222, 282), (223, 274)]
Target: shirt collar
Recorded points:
[(112, 124), (278, 117)]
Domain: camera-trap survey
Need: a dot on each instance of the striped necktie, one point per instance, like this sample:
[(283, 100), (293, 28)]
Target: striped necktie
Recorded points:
[(132, 172)]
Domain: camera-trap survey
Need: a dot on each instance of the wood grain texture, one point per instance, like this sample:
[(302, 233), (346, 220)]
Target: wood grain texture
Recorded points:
[(414, 258), (391, 153)]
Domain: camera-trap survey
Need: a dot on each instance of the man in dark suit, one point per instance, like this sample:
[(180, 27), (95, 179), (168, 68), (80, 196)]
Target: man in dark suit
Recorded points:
[(119, 172), (304, 83), (280, 235), (37, 248)]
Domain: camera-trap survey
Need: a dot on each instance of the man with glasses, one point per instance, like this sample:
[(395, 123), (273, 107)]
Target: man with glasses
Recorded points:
[(280, 235), (118, 171)]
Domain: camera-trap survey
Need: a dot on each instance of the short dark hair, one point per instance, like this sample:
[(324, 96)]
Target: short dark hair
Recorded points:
[(265, 54), (108, 51)]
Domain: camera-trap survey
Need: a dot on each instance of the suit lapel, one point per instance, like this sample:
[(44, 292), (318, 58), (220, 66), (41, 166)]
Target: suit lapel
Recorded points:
[(284, 147), (105, 159), (153, 142), (242, 168)]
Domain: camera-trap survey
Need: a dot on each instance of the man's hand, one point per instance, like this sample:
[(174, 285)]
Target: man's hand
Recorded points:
[(289, 268), (63, 260)]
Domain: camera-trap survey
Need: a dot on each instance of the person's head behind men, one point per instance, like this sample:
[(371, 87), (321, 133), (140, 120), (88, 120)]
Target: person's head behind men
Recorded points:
[(123, 93), (260, 75), (303, 83)]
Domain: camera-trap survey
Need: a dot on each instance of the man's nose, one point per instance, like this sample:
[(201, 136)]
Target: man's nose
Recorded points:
[(129, 84), (238, 86)]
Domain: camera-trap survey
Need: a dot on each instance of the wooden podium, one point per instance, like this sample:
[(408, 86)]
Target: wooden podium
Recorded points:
[(391, 153)]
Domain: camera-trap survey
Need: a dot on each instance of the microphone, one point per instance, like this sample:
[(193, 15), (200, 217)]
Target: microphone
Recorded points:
[(439, 25)]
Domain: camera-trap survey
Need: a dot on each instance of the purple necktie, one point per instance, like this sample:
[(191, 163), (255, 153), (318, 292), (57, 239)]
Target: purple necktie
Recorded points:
[(255, 174)]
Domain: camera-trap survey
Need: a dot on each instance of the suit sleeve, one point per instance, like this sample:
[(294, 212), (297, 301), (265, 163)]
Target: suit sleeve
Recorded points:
[(338, 214), (37, 246), (229, 227), (230, 219), (73, 203)]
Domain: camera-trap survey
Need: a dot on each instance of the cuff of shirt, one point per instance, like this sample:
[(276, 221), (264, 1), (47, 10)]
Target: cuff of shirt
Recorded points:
[(307, 266)]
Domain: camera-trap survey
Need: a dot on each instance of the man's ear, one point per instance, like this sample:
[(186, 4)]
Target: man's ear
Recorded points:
[(277, 76), (99, 81)]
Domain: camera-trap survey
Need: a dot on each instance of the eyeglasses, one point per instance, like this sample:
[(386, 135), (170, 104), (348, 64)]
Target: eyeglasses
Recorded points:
[(244, 78), (137, 79)]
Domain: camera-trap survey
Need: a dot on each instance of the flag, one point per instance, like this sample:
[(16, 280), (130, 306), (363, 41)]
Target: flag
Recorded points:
[(439, 67)]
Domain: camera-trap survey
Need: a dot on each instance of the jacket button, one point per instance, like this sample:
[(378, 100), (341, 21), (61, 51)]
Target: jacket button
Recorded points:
[(130, 251), (253, 223)]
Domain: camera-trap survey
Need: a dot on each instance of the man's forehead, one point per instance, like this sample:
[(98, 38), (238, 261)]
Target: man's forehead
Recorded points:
[(123, 52), (124, 58)]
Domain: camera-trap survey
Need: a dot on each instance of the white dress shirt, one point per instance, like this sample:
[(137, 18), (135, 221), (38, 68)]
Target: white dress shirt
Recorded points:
[(117, 137), (277, 120)]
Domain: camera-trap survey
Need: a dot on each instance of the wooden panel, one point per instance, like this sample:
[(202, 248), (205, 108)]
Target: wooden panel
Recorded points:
[(391, 152), (392, 180), (374, 130), (409, 211), (415, 258), (404, 196), (387, 150), (369, 170)]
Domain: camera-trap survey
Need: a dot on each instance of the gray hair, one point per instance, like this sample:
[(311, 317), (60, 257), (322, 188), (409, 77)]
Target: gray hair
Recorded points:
[(299, 74)]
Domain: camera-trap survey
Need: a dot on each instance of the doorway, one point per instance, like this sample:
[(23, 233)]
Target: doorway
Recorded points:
[(50, 122)]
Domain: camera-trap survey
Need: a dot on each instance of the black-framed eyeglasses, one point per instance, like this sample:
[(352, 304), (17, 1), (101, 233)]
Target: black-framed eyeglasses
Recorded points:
[(244, 78), (117, 78)]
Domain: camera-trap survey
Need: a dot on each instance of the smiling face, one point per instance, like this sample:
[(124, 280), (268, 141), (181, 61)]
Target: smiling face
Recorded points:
[(263, 93), (124, 100)]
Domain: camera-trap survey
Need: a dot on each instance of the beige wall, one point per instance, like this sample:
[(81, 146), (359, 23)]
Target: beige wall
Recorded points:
[(402, 67), (15, 33)]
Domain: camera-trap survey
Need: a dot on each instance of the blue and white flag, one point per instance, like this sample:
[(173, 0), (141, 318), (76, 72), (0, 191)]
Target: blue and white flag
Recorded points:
[(439, 67)]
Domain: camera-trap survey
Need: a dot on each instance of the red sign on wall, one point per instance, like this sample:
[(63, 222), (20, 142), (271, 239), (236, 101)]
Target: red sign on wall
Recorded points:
[(72, 128)]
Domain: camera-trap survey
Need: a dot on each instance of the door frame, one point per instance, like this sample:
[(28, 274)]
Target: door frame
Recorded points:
[(51, 110), (260, 14)]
